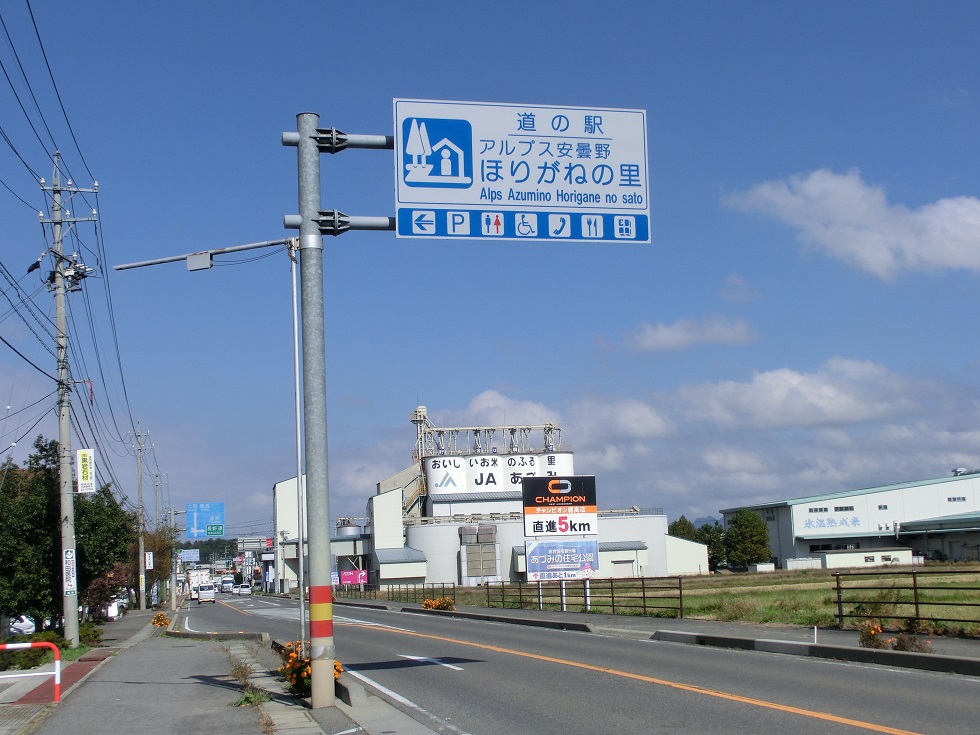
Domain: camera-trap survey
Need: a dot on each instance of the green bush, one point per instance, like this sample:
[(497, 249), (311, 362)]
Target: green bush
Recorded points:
[(28, 658), (90, 634)]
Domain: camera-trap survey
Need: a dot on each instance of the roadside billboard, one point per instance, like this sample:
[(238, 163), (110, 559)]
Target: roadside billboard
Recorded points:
[(552, 559), (560, 506)]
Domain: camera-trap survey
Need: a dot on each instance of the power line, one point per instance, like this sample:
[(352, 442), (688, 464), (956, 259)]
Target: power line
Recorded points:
[(27, 360), (56, 92)]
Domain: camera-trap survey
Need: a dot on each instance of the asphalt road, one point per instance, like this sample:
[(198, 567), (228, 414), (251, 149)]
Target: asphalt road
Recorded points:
[(481, 678)]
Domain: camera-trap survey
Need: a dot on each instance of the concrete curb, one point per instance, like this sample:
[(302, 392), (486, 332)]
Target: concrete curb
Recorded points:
[(900, 659), (173, 631), (217, 636), (552, 624)]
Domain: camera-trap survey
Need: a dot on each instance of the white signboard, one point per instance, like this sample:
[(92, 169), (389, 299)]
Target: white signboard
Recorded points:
[(487, 473), (477, 170), (70, 570), (85, 469)]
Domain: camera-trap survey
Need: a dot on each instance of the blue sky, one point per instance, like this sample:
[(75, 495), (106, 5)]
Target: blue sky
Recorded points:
[(803, 321)]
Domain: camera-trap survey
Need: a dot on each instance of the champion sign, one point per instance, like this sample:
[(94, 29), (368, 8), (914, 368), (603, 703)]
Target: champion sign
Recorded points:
[(560, 506)]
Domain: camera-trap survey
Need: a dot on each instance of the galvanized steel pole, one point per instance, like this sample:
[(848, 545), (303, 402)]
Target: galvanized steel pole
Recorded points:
[(322, 651), (70, 558)]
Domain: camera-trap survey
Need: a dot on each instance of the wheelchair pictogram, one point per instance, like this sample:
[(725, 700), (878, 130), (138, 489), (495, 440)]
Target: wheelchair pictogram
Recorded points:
[(526, 224)]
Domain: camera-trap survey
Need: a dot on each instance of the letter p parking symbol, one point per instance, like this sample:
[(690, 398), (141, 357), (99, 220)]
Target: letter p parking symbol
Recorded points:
[(457, 223)]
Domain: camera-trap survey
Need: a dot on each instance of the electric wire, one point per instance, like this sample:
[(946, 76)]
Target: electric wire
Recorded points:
[(23, 74), (57, 93)]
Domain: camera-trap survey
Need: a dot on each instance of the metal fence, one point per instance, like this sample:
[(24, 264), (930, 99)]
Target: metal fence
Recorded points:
[(913, 597), (663, 596), (399, 592)]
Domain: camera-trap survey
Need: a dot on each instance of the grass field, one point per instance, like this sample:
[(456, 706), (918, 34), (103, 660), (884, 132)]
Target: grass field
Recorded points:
[(947, 593)]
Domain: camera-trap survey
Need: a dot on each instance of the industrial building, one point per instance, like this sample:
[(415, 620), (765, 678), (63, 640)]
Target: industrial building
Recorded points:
[(456, 516), (892, 524)]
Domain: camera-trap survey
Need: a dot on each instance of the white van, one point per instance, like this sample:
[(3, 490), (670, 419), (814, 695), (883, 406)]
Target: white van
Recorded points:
[(206, 593)]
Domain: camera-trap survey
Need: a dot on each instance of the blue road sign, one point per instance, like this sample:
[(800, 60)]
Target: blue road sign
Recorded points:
[(474, 170), (201, 516)]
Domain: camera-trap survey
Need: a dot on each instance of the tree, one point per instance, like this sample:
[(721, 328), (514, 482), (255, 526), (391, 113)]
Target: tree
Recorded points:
[(162, 542), (682, 528), (747, 539), (104, 533), (712, 535), (30, 537)]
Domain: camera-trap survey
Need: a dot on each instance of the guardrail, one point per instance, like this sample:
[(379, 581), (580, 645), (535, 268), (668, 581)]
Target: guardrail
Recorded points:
[(924, 596), (633, 596), (57, 664)]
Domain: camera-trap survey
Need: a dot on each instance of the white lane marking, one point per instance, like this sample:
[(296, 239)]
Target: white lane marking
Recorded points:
[(407, 702), (367, 623), (427, 660)]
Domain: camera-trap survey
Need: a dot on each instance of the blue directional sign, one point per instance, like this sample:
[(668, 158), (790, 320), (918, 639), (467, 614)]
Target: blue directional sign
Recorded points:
[(205, 520), (474, 170)]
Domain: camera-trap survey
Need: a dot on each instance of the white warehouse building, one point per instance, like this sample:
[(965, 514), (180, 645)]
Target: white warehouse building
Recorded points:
[(456, 516), (934, 519)]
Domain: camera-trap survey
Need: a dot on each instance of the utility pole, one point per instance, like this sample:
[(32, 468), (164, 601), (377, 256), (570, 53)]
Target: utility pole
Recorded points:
[(141, 519), (173, 562), (67, 273)]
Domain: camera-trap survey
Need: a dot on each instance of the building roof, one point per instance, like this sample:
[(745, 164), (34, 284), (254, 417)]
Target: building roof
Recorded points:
[(603, 546), (851, 493), (404, 555), (958, 522), (875, 550), (473, 497)]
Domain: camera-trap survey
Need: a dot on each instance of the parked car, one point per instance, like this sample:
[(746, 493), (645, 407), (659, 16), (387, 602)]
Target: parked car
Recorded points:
[(21, 625), (242, 589)]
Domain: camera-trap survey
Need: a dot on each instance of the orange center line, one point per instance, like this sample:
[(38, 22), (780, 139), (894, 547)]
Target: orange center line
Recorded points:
[(654, 680)]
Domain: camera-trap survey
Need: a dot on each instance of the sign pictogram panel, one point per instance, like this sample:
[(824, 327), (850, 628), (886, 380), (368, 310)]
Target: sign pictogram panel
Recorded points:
[(520, 172)]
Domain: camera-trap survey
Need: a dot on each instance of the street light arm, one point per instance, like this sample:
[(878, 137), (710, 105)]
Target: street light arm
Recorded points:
[(215, 251)]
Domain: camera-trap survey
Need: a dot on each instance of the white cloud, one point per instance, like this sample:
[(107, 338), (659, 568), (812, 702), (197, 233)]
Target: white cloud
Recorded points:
[(493, 408), (733, 461), (714, 329), (842, 392), (782, 434), (738, 290), (622, 419), (853, 221)]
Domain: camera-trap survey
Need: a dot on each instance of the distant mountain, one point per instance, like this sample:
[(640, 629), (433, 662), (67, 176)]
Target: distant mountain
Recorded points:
[(707, 519)]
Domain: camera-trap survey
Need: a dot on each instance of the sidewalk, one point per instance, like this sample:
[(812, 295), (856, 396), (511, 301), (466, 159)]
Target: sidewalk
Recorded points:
[(146, 682)]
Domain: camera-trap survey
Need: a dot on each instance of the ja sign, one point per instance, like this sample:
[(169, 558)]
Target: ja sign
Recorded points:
[(476, 170)]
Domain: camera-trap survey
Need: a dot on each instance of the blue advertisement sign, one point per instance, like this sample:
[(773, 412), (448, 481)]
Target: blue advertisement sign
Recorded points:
[(562, 559)]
